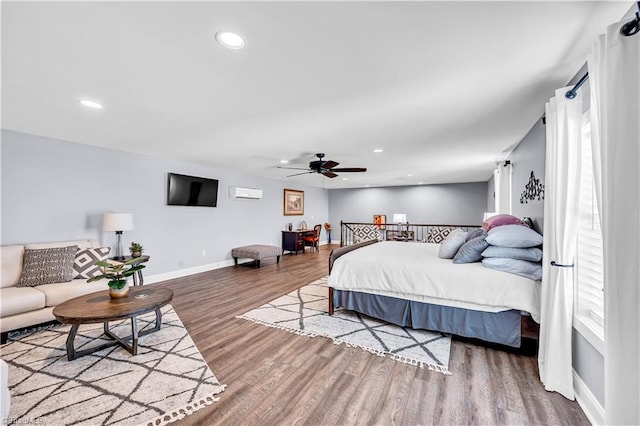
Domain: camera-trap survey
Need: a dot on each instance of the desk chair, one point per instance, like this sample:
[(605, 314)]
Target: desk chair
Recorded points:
[(313, 240)]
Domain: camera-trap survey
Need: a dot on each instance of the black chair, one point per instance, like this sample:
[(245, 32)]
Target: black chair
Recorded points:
[(313, 240)]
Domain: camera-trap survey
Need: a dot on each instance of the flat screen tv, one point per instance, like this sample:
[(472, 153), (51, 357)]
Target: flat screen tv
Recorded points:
[(192, 191)]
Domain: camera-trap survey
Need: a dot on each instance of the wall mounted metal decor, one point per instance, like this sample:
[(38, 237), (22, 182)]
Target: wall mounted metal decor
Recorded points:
[(533, 190)]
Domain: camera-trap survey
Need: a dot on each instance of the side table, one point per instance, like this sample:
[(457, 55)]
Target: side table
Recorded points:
[(138, 279)]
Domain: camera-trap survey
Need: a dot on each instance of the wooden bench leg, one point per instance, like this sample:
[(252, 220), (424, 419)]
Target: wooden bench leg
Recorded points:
[(235, 260), (277, 259), (257, 263)]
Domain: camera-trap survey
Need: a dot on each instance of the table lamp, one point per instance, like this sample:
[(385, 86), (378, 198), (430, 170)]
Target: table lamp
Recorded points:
[(399, 218), (118, 222)]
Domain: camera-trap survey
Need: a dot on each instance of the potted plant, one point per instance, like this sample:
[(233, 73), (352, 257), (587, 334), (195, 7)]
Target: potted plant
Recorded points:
[(117, 274), (136, 249)]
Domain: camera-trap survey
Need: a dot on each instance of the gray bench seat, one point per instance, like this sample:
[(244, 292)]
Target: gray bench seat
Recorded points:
[(256, 252)]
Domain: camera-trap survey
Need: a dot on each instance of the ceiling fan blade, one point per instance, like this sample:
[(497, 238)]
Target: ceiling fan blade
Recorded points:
[(329, 164), (303, 173), (329, 174), (350, 169), (292, 168)]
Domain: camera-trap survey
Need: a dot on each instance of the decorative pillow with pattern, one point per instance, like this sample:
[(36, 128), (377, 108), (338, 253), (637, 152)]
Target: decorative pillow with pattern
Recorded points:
[(47, 266), (437, 234), (365, 233), (85, 266)]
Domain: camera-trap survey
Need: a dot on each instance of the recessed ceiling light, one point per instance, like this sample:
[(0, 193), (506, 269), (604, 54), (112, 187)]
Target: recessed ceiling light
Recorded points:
[(410, 174), (378, 150), (284, 161), (230, 40), (345, 178), (90, 104), (367, 186), (420, 183)]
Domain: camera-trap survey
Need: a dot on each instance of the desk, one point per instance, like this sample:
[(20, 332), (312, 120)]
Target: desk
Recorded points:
[(138, 279), (293, 241)]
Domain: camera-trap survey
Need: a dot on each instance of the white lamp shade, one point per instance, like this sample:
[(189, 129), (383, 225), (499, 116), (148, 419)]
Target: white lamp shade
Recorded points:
[(399, 218), (118, 222)]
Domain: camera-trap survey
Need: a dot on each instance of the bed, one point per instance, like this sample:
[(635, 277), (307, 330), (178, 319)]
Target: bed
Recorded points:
[(407, 284)]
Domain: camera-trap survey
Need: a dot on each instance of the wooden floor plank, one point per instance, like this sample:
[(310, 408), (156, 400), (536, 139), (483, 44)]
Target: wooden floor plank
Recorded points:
[(277, 378)]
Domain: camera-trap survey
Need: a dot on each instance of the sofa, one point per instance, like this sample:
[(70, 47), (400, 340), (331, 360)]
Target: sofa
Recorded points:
[(24, 306)]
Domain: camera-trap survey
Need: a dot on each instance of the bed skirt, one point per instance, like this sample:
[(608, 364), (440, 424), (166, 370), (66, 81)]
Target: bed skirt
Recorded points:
[(496, 327)]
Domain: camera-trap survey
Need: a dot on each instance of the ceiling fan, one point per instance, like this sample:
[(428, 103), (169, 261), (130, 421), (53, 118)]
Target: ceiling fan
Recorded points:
[(326, 168)]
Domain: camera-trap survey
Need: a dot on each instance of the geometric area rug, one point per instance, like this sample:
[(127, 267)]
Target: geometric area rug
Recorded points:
[(167, 380), (304, 312)]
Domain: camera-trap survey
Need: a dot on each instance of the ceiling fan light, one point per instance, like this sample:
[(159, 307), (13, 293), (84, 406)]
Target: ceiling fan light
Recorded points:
[(230, 40), (87, 103), (378, 150)]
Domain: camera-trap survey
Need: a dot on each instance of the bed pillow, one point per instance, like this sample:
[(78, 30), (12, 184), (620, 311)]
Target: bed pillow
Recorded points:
[(531, 270), (500, 220), (532, 254), (471, 251), (452, 244), (47, 266), (475, 233), (437, 234), (514, 236)]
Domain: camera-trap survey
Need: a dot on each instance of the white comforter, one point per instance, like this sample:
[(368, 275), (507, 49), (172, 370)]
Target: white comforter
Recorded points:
[(414, 271)]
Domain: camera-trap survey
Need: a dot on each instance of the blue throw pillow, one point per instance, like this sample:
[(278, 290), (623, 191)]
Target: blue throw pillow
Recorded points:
[(471, 251), (514, 236), (475, 233), (524, 268), (452, 244), (532, 254)]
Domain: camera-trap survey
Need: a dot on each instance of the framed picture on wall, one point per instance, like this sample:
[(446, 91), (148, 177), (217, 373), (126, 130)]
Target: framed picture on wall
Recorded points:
[(380, 220), (293, 202)]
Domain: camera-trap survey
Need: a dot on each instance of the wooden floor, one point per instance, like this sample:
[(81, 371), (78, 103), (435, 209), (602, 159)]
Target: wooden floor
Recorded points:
[(277, 378)]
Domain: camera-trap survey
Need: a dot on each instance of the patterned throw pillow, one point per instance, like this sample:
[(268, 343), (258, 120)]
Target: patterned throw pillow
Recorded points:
[(365, 233), (437, 234), (47, 266), (85, 266)]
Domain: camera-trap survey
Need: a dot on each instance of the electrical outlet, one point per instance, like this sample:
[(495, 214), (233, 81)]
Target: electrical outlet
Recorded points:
[(204, 252)]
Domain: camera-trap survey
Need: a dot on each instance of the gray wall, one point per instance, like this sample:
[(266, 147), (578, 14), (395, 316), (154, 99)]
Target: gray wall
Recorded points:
[(54, 190), (528, 156), (455, 204)]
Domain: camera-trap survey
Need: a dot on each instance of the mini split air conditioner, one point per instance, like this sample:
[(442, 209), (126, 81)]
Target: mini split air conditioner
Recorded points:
[(238, 192)]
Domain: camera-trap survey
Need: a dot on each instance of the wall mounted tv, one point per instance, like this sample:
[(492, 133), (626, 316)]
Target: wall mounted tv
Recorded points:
[(185, 190)]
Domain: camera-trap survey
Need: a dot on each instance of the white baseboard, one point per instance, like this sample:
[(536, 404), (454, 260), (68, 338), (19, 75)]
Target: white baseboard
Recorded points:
[(188, 271), (196, 270), (587, 401)]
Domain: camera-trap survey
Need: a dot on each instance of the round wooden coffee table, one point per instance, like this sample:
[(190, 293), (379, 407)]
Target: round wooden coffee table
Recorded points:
[(101, 308)]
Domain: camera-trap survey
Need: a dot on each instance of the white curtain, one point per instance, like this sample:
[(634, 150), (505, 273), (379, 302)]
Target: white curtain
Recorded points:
[(564, 132), (502, 181), (614, 70)]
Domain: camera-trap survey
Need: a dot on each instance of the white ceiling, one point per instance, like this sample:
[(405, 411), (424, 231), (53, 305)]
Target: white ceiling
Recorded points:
[(445, 88)]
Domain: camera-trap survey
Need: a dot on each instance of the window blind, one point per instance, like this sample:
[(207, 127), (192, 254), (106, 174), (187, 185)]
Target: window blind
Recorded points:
[(589, 253)]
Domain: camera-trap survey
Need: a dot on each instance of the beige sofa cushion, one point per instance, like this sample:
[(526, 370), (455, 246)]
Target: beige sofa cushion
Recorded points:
[(17, 300), (61, 292), (11, 265), (82, 244)]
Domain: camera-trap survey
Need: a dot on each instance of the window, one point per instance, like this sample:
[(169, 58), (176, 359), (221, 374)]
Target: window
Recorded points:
[(589, 275)]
